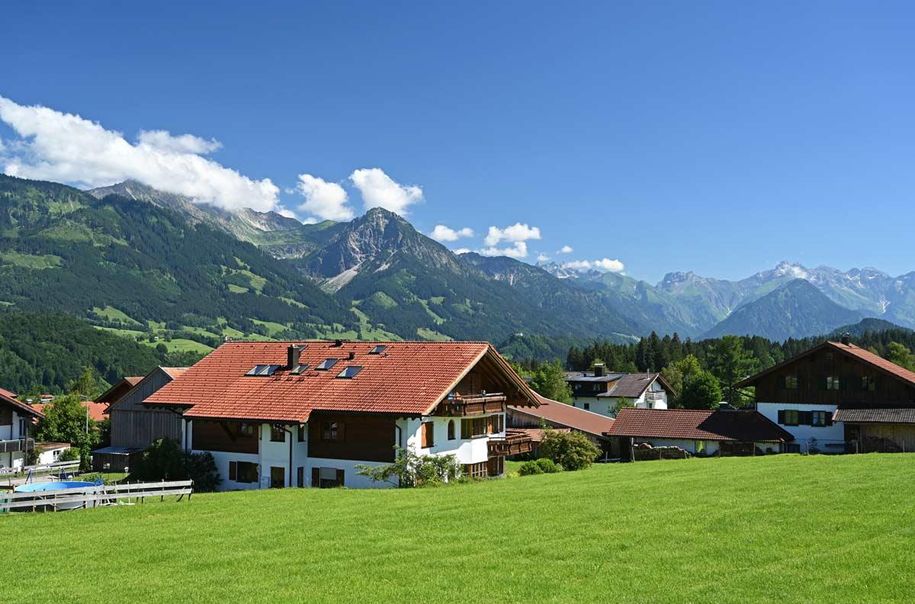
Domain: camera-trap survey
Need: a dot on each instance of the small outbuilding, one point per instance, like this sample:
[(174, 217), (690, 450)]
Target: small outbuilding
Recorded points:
[(700, 432)]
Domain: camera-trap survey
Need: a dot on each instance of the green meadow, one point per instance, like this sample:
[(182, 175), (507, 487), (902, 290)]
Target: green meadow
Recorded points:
[(773, 529)]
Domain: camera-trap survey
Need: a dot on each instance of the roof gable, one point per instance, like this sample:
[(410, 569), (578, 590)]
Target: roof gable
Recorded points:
[(856, 352), (9, 399)]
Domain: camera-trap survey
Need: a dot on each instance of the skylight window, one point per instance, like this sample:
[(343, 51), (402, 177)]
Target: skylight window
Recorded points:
[(263, 370), (326, 364), (299, 369), (350, 372), (378, 349)]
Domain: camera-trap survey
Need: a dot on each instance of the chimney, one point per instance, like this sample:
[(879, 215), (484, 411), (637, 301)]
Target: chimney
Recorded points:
[(292, 356), (338, 343), (351, 355), (846, 338), (598, 369)]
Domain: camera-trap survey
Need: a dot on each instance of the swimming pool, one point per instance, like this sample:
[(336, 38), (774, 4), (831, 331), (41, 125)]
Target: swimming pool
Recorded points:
[(58, 485)]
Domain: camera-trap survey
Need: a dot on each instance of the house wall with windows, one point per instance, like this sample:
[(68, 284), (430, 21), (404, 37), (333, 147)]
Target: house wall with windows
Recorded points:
[(14, 429), (811, 425)]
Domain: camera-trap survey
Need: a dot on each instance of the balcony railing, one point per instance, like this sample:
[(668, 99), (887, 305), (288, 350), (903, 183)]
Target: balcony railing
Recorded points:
[(17, 444), (472, 404), (514, 443)]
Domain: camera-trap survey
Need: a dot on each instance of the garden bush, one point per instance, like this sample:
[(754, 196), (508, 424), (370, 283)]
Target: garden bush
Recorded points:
[(530, 468), (548, 466), (571, 450)]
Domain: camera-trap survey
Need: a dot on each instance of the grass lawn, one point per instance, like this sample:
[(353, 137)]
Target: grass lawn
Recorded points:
[(782, 528)]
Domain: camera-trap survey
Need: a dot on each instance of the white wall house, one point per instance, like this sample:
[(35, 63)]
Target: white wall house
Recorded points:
[(339, 406), (603, 392), (15, 429)]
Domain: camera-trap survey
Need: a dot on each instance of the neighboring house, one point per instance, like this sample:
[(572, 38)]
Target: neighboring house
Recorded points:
[(97, 412), (135, 426), (837, 397), (49, 452), (15, 426), (276, 414), (553, 414), (604, 392), (702, 432)]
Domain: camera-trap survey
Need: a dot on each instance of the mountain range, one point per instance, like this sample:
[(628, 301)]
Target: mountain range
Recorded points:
[(141, 262)]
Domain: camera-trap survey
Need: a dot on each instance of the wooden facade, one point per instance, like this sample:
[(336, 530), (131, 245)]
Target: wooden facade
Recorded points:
[(229, 436), (136, 426), (829, 377), (363, 437)]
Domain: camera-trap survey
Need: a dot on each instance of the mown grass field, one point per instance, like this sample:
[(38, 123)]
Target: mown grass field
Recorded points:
[(783, 528)]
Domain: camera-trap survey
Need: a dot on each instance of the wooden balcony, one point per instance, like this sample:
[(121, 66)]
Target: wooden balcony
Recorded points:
[(514, 443), (459, 405), (16, 445)]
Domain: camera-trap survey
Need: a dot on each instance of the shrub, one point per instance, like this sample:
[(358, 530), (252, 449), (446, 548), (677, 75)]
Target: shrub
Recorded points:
[(412, 470), (571, 450), (548, 466), (530, 468), (164, 460), (71, 454)]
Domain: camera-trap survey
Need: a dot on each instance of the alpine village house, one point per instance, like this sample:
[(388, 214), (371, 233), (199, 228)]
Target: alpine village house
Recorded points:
[(15, 422), (838, 397), (279, 414), (601, 391)]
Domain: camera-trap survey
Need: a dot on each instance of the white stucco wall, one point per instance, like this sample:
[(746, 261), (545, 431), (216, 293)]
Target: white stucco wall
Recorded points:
[(826, 438)]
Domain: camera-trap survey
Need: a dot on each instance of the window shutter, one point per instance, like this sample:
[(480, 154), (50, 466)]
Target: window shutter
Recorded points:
[(781, 416), (339, 478), (341, 432), (315, 477), (805, 418)]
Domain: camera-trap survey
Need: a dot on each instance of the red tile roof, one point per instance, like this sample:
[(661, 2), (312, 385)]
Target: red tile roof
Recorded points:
[(560, 414), (10, 399), (875, 360), (97, 411), (408, 378), (695, 424)]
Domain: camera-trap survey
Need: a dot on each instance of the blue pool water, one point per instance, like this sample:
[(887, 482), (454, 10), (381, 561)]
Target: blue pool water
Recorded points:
[(36, 487)]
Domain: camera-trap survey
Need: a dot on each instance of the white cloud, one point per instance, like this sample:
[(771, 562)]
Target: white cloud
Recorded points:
[(566, 249), (515, 233), (461, 250), (516, 250), (380, 191), (323, 200), (542, 257), (604, 264), (183, 143), (68, 148), (286, 213), (444, 233)]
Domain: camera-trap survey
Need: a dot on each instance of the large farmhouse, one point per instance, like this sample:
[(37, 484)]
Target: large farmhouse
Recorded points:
[(601, 391), (838, 397), (15, 424), (277, 414)]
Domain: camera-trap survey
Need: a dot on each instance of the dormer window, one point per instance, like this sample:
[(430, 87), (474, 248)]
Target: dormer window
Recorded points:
[(326, 364), (263, 370), (350, 372), (378, 349), (299, 369)]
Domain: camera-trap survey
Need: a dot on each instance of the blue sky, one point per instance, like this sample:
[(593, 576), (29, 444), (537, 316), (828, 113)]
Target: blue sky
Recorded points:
[(717, 137)]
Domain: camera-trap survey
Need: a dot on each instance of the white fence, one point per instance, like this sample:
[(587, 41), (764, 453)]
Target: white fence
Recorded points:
[(94, 496)]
